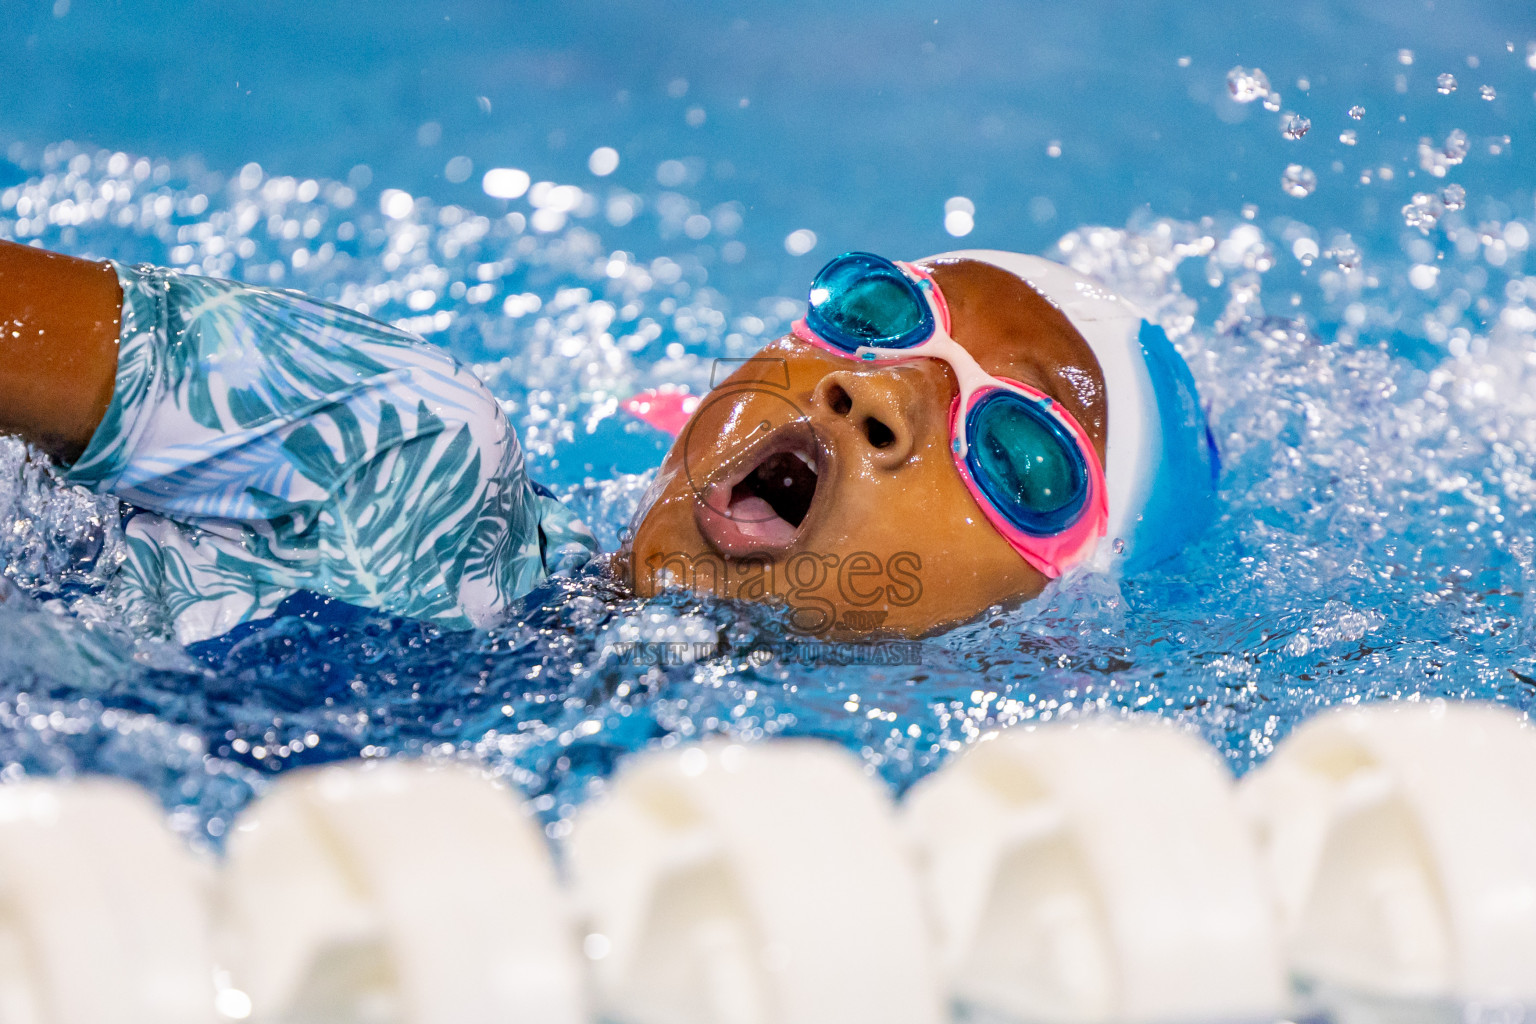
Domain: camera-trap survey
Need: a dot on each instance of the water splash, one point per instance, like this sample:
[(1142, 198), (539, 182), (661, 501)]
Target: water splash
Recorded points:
[(1378, 438)]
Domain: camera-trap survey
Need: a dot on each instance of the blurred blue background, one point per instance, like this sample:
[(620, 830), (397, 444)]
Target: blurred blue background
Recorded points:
[(855, 120)]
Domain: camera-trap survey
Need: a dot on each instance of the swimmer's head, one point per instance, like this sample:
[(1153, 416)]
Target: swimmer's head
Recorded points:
[(837, 475)]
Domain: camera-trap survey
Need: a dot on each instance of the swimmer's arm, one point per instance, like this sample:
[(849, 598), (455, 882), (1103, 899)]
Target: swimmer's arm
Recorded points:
[(58, 347)]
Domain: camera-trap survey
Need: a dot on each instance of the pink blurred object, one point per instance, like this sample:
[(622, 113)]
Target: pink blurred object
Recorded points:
[(666, 408)]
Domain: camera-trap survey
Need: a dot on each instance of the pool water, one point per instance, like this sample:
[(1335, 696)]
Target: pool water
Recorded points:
[(1370, 370)]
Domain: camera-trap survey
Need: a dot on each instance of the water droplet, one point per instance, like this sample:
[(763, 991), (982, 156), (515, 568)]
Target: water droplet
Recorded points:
[(959, 223), (1298, 181), (1246, 85), (505, 182), (603, 161), (671, 173), (396, 204), (1423, 211), (1487, 92), (1294, 126), (1445, 83), (959, 216), (800, 242), (1357, 111), (1347, 136), (1343, 254), (1435, 161), (1454, 197)]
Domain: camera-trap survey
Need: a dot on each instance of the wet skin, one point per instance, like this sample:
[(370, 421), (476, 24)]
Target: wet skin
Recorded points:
[(58, 347), (829, 483)]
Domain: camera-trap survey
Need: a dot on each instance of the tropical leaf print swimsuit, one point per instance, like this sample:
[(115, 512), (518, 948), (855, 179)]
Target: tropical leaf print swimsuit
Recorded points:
[(270, 443)]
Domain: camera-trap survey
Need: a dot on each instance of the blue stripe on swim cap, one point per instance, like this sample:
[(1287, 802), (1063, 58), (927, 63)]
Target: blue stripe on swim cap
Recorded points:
[(1183, 497)]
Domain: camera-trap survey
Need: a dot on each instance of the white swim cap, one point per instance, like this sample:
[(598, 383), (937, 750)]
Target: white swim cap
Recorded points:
[(1161, 463)]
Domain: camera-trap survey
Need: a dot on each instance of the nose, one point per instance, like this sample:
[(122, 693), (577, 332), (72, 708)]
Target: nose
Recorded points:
[(882, 407)]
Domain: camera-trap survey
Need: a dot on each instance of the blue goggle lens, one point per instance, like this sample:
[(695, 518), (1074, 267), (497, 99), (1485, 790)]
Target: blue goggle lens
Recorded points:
[(861, 299), (1026, 463)]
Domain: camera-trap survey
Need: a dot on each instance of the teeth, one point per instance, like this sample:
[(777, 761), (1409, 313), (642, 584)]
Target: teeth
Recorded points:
[(803, 457)]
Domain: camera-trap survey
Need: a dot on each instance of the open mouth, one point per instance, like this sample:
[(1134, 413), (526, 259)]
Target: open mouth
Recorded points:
[(762, 506)]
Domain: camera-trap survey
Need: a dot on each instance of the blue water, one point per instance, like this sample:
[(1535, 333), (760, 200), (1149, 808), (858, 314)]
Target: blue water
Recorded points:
[(1370, 382)]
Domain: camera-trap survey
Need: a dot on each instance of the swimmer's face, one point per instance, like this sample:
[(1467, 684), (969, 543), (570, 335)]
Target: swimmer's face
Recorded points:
[(828, 483)]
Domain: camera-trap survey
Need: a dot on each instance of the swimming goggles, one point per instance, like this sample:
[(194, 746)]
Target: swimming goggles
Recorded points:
[(1028, 463)]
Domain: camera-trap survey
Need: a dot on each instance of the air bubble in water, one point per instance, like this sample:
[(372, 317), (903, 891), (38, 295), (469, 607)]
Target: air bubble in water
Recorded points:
[(1423, 211), (1357, 111), (1530, 55), (1298, 181), (1487, 92), (1454, 197), (1246, 85), (1445, 83), (1347, 136), (1272, 102), (1294, 126)]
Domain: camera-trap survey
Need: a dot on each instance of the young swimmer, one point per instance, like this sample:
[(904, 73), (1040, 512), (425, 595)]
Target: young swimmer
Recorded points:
[(933, 439)]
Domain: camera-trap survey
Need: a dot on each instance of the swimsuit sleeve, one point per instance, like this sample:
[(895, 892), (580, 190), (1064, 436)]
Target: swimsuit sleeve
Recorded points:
[(276, 443)]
